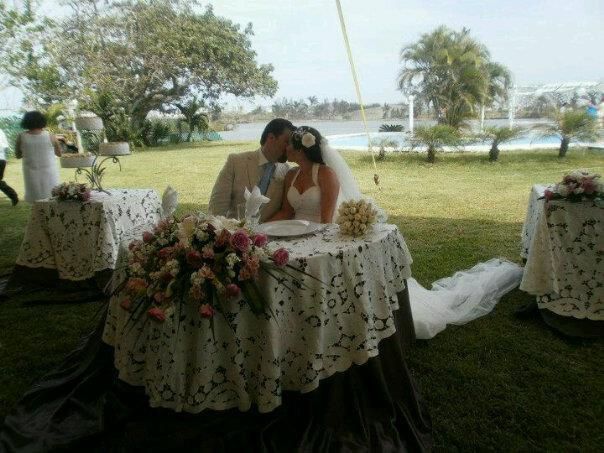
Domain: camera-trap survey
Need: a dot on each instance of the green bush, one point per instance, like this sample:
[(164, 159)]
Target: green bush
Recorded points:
[(391, 128), (157, 131)]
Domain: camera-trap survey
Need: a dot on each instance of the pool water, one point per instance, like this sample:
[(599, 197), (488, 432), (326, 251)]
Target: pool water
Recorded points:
[(359, 141)]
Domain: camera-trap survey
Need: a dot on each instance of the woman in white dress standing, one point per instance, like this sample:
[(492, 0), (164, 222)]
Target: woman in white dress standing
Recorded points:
[(38, 149), (311, 190)]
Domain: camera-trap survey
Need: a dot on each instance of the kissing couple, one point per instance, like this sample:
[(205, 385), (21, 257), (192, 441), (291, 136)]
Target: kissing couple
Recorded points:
[(310, 191)]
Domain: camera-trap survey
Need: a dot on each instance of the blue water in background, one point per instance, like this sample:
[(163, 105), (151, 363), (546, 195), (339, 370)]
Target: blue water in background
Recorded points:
[(402, 139)]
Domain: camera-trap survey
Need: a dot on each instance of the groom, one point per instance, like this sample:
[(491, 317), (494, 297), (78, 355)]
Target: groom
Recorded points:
[(264, 168)]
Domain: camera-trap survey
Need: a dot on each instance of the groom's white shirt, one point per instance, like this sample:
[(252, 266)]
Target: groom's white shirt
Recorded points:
[(241, 171)]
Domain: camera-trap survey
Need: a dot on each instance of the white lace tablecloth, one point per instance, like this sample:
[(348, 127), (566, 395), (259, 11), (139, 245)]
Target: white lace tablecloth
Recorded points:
[(79, 239), (316, 332), (565, 262), (535, 207)]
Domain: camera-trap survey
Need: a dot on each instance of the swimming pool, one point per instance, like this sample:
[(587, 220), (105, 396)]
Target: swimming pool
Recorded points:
[(358, 142)]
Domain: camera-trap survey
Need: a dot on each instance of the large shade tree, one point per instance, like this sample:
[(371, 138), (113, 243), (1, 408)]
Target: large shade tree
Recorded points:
[(453, 73), (145, 53)]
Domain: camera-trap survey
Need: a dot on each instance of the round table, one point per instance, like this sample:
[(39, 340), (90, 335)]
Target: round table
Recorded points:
[(564, 267), (321, 326), (77, 239)]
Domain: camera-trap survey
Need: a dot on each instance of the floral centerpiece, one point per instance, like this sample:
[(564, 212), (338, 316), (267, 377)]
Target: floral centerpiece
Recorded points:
[(206, 261), (355, 217), (578, 185), (71, 191)]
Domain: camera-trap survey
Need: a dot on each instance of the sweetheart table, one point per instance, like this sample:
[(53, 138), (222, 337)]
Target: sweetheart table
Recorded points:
[(327, 373), (321, 326)]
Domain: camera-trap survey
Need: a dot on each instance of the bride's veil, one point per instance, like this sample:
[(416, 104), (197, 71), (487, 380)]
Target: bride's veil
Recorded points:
[(349, 188)]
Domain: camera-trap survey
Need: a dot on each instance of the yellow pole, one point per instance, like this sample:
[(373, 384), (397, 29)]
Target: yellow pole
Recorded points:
[(376, 178)]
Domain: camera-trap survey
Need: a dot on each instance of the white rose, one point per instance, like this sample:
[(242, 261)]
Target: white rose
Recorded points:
[(308, 140), (563, 190)]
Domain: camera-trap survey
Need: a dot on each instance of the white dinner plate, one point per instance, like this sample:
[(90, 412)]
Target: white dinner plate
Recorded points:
[(289, 228)]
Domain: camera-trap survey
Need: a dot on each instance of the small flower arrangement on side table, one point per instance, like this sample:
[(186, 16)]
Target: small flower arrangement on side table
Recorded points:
[(71, 191), (579, 185)]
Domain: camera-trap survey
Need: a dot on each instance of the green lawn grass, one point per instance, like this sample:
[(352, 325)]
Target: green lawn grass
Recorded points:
[(498, 383)]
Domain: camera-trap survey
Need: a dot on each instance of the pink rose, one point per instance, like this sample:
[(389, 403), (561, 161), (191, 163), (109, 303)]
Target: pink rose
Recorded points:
[(134, 245), (148, 237), (157, 314), (281, 257), (162, 225), (260, 240), (165, 253), (240, 241), (194, 259), (206, 311), (589, 186), (233, 291), (126, 303)]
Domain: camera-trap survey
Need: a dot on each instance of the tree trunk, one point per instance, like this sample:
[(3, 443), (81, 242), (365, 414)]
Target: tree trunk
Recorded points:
[(191, 129), (563, 147), (431, 154), (494, 153)]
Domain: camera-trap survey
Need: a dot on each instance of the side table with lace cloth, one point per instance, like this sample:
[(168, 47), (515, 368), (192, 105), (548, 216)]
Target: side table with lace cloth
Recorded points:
[(78, 240), (565, 262), (318, 330)]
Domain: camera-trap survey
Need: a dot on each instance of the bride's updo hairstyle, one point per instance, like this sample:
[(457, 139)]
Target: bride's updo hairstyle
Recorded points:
[(308, 140)]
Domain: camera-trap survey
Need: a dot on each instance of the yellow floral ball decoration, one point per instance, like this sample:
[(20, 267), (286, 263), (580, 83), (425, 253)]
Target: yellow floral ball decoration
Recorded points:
[(355, 217)]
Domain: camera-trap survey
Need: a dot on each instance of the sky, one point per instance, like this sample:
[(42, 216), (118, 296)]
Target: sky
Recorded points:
[(539, 41)]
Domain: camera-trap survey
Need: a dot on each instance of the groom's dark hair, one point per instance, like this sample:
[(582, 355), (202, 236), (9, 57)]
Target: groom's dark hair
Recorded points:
[(276, 127)]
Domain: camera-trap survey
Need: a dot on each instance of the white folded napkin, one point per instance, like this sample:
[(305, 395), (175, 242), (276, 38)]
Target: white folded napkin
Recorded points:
[(253, 201), (169, 201)]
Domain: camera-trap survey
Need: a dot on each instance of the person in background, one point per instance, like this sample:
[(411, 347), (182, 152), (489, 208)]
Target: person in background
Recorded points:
[(4, 187), (38, 149), (592, 110)]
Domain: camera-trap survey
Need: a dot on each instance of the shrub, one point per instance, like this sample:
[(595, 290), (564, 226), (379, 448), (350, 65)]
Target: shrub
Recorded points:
[(391, 128), (11, 127)]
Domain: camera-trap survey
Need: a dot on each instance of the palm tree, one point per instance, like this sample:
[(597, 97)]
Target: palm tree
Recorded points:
[(453, 73), (193, 117), (435, 138), (570, 125), (498, 136)]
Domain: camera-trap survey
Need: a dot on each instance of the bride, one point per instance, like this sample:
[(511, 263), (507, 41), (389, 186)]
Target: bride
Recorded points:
[(323, 180), (311, 190)]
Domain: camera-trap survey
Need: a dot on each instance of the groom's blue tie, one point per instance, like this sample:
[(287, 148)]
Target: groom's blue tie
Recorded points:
[(265, 179)]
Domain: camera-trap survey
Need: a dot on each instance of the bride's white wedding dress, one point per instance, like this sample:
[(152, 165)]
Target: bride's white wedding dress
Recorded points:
[(307, 205), (459, 299)]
